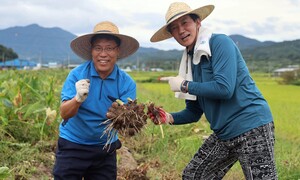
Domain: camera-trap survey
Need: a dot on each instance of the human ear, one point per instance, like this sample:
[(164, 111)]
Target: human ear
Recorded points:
[(198, 23)]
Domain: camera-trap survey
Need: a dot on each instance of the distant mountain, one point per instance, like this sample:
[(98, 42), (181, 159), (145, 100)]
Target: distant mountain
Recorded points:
[(246, 43), (37, 43), (284, 53), (153, 55), (268, 55), (53, 45)]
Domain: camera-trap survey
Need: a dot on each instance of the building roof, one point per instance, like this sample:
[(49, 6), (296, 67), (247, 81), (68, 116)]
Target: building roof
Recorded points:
[(285, 69), (18, 63)]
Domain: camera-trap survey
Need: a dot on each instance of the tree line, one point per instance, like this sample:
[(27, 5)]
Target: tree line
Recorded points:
[(7, 53)]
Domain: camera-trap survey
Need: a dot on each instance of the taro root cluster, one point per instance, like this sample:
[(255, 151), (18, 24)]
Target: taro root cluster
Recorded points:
[(157, 113), (126, 119)]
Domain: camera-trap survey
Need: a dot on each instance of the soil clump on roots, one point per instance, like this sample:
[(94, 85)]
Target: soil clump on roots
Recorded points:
[(125, 119)]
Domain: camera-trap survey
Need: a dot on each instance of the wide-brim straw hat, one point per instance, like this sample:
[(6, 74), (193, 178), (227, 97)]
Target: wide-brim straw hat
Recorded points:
[(175, 11), (82, 45)]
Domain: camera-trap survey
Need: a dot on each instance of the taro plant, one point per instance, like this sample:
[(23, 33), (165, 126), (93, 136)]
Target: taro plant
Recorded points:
[(25, 100)]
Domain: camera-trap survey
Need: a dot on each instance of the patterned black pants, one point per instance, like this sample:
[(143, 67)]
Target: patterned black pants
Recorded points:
[(253, 149)]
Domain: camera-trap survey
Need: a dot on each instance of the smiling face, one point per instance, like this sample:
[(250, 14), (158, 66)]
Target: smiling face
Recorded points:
[(105, 53), (185, 30)]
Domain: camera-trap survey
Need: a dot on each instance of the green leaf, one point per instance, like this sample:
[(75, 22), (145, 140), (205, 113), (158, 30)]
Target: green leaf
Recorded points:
[(7, 103), (4, 172), (34, 108)]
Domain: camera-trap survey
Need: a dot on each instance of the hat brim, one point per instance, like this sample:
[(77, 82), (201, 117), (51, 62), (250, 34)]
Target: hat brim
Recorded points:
[(83, 48), (163, 32)]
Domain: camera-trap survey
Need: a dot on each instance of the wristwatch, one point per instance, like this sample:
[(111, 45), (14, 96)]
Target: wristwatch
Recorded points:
[(184, 86)]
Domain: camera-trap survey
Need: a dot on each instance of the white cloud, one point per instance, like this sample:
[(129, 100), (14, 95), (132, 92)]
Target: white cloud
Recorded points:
[(275, 20)]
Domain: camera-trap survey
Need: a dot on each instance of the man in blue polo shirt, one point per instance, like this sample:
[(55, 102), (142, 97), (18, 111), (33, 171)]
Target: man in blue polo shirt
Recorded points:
[(214, 80), (88, 92)]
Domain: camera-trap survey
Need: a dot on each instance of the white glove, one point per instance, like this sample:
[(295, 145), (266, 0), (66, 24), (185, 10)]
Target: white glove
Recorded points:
[(82, 90), (174, 82)]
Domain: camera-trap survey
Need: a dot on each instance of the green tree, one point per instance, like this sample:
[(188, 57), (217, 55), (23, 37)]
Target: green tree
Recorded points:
[(7, 53)]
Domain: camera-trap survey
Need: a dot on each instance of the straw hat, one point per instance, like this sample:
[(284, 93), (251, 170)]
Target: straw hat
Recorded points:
[(175, 11), (82, 44)]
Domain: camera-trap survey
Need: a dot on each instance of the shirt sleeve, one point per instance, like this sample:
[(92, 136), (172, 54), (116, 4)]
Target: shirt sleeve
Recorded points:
[(69, 89), (224, 67), (192, 113)]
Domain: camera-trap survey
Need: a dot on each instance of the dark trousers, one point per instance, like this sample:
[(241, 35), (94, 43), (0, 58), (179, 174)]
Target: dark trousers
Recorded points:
[(253, 149), (89, 162)]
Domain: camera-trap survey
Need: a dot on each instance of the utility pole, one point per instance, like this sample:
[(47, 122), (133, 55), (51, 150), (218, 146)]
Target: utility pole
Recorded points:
[(137, 63), (68, 61), (3, 59)]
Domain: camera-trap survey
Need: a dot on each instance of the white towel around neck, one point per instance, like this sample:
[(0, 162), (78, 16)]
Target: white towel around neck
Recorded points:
[(201, 49)]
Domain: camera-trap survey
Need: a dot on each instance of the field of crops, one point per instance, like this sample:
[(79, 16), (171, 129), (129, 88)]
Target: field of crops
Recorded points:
[(29, 119)]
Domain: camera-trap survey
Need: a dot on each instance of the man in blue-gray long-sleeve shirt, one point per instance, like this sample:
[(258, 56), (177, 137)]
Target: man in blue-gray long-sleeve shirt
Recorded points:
[(216, 82)]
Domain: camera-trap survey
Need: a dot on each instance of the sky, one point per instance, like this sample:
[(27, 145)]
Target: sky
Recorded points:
[(263, 20)]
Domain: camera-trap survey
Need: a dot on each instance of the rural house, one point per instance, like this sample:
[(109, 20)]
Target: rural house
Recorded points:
[(291, 68)]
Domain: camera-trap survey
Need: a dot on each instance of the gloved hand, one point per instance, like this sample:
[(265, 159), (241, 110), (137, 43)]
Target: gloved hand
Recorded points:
[(174, 82), (82, 90), (160, 116)]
